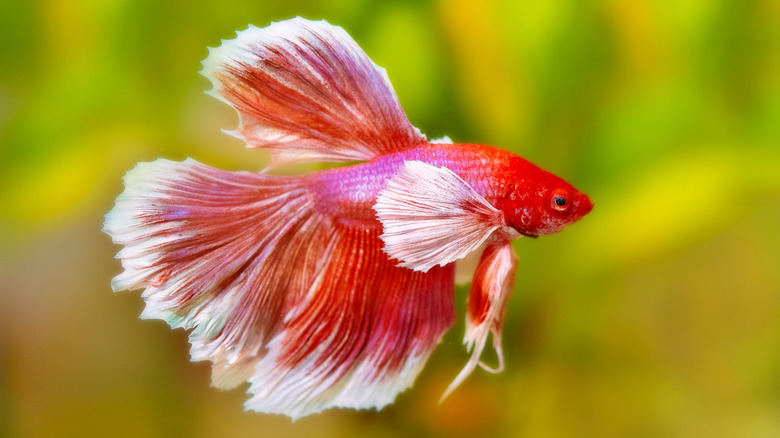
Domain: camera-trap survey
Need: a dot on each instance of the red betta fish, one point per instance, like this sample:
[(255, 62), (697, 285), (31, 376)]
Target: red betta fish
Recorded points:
[(329, 289)]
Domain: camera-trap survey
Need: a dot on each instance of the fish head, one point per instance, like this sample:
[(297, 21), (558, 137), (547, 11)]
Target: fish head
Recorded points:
[(541, 203)]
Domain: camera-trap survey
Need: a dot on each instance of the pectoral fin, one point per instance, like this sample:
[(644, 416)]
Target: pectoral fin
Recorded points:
[(431, 216)]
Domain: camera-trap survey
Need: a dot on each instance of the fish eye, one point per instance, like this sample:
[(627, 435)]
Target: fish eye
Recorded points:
[(560, 200)]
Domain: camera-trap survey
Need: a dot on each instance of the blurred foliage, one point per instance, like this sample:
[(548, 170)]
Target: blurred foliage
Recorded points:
[(658, 315)]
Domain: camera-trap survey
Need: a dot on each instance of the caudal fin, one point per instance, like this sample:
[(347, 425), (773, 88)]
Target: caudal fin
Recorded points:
[(308, 310), (305, 91)]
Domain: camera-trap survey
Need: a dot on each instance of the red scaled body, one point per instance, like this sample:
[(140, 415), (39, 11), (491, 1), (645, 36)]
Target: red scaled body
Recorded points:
[(521, 190)]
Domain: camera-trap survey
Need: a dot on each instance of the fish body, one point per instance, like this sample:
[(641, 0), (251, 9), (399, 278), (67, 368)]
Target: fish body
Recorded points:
[(328, 289), (508, 182), (350, 193)]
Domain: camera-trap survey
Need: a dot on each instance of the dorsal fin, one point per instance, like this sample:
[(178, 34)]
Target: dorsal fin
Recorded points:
[(305, 91)]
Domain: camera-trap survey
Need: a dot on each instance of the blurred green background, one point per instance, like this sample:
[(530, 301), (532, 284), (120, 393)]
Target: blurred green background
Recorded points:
[(658, 315)]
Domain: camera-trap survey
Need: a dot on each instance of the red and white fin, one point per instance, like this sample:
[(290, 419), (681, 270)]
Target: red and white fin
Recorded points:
[(204, 243), (490, 290), (431, 216), (307, 310), (305, 91)]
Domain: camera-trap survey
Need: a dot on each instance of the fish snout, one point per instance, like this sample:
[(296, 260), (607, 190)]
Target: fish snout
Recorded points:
[(583, 206)]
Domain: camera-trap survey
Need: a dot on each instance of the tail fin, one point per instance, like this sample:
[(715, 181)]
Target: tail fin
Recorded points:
[(305, 91), (308, 310)]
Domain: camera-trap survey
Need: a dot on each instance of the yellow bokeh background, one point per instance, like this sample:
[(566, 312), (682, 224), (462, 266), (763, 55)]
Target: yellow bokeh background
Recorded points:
[(656, 316)]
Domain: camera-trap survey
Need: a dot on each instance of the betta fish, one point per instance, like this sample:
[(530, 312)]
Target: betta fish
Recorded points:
[(331, 288)]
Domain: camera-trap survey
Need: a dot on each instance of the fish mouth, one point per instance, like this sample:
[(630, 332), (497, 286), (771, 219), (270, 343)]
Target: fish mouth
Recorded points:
[(585, 205), (533, 236)]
